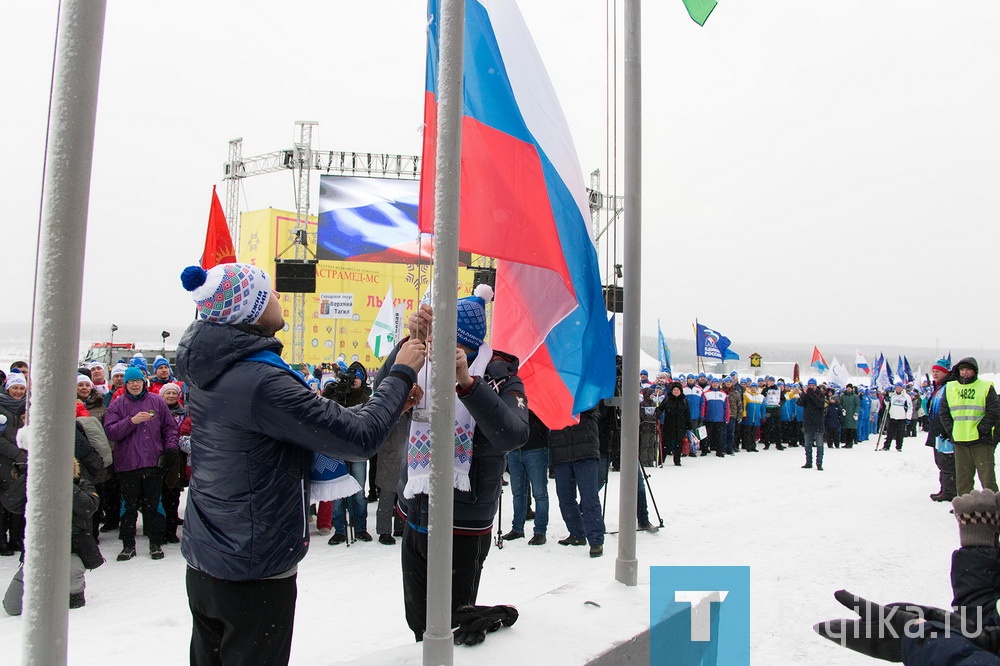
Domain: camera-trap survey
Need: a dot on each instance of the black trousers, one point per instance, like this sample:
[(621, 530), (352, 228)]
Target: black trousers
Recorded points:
[(946, 473), (895, 429), (468, 555), (715, 437), (110, 510), (171, 500), (240, 622), (141, 484)]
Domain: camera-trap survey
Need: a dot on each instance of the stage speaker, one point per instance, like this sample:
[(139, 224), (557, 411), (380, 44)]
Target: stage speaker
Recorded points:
[(295, 276), (485, 276), (614, 298)]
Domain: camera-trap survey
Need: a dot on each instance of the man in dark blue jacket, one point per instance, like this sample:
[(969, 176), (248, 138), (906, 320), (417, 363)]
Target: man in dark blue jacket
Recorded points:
[(255, 426)]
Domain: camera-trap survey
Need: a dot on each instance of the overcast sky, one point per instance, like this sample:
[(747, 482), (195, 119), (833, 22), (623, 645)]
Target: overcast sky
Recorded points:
[(811, 171)]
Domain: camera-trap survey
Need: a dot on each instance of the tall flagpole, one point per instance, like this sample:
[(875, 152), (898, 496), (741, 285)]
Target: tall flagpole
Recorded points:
[(55, 327), (438, 647), (626, 566)]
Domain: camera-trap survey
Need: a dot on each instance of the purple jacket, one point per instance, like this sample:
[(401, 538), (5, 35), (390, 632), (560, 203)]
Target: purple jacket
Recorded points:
[(139, 445)]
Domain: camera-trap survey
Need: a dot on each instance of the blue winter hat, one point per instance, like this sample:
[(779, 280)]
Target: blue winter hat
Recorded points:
[(160, 362), (898, 384), (812, 381), (472, 316), (132, 374), (140, 363), (700, 375)]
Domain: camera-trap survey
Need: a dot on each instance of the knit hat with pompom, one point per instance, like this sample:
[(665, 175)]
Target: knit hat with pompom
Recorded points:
[(472, 317), (228, 293)]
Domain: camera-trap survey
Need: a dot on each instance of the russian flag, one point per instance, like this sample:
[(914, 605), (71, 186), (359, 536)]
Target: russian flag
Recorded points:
[(861, 362), (523, 201)]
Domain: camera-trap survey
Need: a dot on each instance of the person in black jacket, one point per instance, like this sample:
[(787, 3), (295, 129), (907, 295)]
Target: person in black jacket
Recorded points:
[(673, 427), (575, 454), (255, 426), (813, 404), (491, 405)]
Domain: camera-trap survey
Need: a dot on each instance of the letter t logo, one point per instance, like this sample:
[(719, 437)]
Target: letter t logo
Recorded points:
[(701, 610)]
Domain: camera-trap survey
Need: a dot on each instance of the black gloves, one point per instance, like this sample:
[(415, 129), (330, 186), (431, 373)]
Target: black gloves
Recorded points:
[(474, 622), (168, 459), (880, 631), (877, 634)]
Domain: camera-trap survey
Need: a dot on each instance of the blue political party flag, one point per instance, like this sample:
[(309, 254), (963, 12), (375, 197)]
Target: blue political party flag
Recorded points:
[(710, 343)]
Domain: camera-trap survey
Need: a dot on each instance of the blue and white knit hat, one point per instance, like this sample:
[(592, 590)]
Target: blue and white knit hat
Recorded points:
[(228, 293), (472, 316)]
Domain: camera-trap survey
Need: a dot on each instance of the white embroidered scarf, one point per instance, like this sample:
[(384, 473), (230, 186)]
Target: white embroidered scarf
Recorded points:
[(418, 449)]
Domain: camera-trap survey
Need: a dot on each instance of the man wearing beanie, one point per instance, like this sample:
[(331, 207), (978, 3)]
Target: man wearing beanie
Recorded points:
[(491, 415), (255, 428), (944, 450), (970, 413), (146, 434), (163, 375)]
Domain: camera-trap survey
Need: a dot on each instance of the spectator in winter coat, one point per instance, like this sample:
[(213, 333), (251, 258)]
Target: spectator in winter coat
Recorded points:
[(851, 404), (937, 439), (84, 552), (92, 400), (529, 473), (12, 458), (255, 426), (574, 452), (716, 415), (146, 433), (647, 427), (117, 382), (163, 375), (753, 411), (770, 426), (813, 403), (832, 420), (491, 415), (899, 405), (174, 475), (696, 402), (970, 413), (676, 418), (734, 400)]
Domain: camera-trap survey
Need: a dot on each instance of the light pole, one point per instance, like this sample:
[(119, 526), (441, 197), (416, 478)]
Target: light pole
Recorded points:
[(164, 335), (113, 329)]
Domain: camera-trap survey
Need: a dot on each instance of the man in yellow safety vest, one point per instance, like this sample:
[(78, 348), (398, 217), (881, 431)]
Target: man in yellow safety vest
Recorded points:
[(970, 412)]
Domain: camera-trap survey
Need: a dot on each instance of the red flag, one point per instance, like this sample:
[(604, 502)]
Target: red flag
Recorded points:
[(818, 361), (218, 243), (795, 374)]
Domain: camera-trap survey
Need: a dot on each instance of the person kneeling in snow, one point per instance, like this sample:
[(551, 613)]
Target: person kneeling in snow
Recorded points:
[(968, 635), (491, 415)]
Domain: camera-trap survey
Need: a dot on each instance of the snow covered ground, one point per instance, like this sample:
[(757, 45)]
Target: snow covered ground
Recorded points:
[(864, 523)]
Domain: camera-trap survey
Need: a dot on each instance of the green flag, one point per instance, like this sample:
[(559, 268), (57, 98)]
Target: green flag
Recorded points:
[(700, 9)]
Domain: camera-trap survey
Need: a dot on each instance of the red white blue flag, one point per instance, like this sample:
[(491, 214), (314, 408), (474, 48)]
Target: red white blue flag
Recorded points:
[(523, 201), (861, 362)]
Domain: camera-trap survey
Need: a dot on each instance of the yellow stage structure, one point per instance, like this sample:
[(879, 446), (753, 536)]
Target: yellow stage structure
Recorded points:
[(339, 315)]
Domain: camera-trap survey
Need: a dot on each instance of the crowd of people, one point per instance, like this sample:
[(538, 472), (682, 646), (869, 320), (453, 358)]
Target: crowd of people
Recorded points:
[(701, 414), (255, 442)]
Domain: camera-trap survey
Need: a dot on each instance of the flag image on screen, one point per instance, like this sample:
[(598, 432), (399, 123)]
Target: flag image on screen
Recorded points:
[(369, 219)]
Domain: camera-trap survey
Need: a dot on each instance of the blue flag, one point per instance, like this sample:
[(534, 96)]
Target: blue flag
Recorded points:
[(907, 370), (710, 343), (664, 350)]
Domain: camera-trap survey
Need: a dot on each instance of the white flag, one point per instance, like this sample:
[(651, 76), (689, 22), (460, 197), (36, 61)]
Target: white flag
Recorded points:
[(382, 337)]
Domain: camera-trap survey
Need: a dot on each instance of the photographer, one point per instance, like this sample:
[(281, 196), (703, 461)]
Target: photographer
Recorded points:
[(348, 389)]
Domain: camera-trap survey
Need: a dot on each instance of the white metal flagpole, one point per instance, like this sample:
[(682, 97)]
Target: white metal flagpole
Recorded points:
[(55, 330), (438, 647)]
